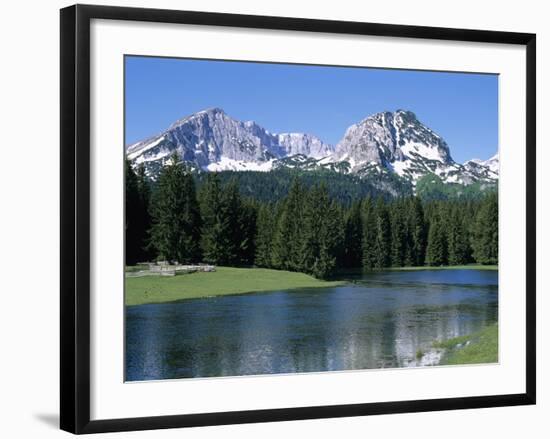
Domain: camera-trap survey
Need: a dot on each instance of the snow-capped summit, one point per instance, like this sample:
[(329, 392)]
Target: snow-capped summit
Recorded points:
[(485, 169), (397, 141), (386, 142), (492, 164), (213, 140)]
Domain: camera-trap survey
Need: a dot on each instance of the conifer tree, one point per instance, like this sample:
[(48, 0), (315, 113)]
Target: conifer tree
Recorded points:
[(247, 228), (457, 238), (306, 230), (132, 212), (382, 241), (398, 235), (336, 224), (353, 239), (485, 231), (216, 233), (264, 235), (313, 224), (232, 212), (323, 234), (144, 217), (417, 226), (436, 251), (369, 234), (287, 242), (175, 230)]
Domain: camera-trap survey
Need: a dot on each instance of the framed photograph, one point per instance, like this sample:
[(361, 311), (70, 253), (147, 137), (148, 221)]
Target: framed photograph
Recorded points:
[(268, 218)]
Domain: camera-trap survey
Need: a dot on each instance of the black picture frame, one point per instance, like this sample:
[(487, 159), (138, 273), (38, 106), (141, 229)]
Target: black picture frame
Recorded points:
[(75, 217)]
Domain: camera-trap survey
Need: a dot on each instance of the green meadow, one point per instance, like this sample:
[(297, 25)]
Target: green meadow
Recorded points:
[(224, 281), (477, 348)]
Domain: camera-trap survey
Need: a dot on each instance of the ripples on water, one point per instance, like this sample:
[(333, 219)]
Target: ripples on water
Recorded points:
[(378, 320)]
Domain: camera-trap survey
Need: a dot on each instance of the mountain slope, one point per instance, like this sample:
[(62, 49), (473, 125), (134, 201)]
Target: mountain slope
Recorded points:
[(400, 142), (214, 141), (388, 144)]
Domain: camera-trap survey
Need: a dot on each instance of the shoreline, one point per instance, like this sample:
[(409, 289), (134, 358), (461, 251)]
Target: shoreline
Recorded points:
[(225, 281), (445, 267), (358, 270), (479, 347), (230, 281)]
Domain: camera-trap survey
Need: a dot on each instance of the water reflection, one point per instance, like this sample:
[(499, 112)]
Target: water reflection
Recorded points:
[(379, 320)]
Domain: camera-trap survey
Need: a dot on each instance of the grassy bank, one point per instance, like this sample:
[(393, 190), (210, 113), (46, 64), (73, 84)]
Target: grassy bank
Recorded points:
[(135, 268), (224, 281), (447, 267), (479, 347)]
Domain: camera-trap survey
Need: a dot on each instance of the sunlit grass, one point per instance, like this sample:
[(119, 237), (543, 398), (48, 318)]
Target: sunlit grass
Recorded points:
[(482, 347), (224, 281)]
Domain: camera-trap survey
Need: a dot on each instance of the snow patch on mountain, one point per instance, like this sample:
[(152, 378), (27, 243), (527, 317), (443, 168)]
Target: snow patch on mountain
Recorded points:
[(137, 150), (212, 140), (492, 164), (484, 169), (225, 164), (387, 142), (413, 149)]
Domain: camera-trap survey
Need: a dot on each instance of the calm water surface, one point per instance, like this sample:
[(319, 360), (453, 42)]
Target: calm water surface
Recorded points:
[(378, 320)]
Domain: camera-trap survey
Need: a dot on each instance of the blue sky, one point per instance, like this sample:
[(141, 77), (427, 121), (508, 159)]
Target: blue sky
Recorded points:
[(462, 108)]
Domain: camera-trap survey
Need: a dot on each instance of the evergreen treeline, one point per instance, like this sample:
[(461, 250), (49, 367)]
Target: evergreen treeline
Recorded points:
[(306, 230), (431, 187), (275, 185), (137, 217)]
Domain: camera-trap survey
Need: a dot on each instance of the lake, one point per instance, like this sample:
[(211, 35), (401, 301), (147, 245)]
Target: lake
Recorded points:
[(378, 320)]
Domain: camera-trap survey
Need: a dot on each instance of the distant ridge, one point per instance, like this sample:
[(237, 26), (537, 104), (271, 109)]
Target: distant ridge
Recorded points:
[(383, 143)]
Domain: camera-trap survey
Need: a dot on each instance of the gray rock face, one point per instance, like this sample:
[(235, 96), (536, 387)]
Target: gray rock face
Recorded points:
[(401, 143), (304, 144), (388, 142), (488, 169), (492, 164), (385, 138), (211, 136)]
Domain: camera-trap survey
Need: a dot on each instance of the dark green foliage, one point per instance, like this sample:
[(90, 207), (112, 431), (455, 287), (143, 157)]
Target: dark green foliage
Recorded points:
[(311, 227), (216, 234), (400, 245), (133, 243), (228, 224), (308, 232), (437, 250), (430, 187), (369, 234), (275, 185), (353, 236), (175, 231), (231, 211), (459, 251), (287, 240), (242, 223), (145, 220), (485, 231), (382, 238), (417, 230), (265, 226), (323, 234), (137, 218)]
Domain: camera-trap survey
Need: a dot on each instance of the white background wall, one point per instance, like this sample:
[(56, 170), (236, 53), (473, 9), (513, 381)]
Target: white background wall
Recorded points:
[(29, 200)]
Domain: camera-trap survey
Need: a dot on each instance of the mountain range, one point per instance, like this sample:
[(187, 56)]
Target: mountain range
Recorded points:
[(387, 143)]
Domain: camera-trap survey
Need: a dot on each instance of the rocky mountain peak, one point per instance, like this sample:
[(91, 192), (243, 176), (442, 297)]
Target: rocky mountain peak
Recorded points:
[(389, 142), (213, 140), (389, 137)]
